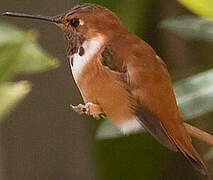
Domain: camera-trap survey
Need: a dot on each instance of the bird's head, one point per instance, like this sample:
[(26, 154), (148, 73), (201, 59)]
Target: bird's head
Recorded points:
[(81, 23)]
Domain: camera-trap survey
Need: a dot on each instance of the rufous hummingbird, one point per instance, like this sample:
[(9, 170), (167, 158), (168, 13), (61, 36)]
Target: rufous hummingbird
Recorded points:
[(120, 76)]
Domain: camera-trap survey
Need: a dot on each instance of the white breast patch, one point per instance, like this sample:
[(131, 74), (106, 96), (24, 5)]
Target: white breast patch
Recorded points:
[(91, 48)]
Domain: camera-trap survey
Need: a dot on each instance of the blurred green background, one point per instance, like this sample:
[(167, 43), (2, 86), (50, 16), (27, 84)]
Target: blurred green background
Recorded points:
[(43, 139)]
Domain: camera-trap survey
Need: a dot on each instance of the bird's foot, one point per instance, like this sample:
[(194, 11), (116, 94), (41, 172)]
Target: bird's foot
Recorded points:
[(88, 108)]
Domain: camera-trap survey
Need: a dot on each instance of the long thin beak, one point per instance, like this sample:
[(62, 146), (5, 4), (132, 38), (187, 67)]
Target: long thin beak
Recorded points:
[(31, 16)]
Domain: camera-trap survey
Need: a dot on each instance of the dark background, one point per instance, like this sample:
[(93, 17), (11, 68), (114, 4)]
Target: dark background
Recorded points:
[(43, 139)]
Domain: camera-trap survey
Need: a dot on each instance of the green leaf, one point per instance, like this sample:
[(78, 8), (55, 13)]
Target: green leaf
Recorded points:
[(8, 60), (190, 27), (10, 34), (194, 97), (19, 52), (33, 59), (201, 7), (11, 94)]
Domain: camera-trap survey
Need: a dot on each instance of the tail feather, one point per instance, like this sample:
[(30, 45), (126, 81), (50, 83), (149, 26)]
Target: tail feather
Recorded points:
[(193, 157), (198, 165), (174, 140)]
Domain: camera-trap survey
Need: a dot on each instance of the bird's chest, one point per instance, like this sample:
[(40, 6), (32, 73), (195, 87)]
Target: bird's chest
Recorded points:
[(84, 63), (79, 63), (84, 57)]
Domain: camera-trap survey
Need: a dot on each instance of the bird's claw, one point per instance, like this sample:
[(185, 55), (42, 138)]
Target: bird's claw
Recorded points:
[(88, 108), (81, 109)]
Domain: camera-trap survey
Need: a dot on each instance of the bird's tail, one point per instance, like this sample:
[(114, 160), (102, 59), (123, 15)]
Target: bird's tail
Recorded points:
[(192, 156)]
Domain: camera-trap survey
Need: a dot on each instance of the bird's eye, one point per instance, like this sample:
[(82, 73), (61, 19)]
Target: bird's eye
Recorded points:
[(74, 22)]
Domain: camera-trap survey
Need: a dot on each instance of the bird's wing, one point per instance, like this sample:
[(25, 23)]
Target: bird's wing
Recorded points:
[(148, 80), (150, 122)]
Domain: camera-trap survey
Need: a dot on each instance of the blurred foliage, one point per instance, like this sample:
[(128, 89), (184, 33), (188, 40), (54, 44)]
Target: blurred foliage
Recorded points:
[(190, 27), (19, 53), (10, 94), (195, 95), (200, 7), (193, 27)]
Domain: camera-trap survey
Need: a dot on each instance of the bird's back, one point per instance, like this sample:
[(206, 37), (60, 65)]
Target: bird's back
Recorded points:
[(155, 102)]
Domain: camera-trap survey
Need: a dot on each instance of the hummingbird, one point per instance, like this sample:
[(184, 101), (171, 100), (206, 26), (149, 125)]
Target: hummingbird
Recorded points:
[(121, 77)]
